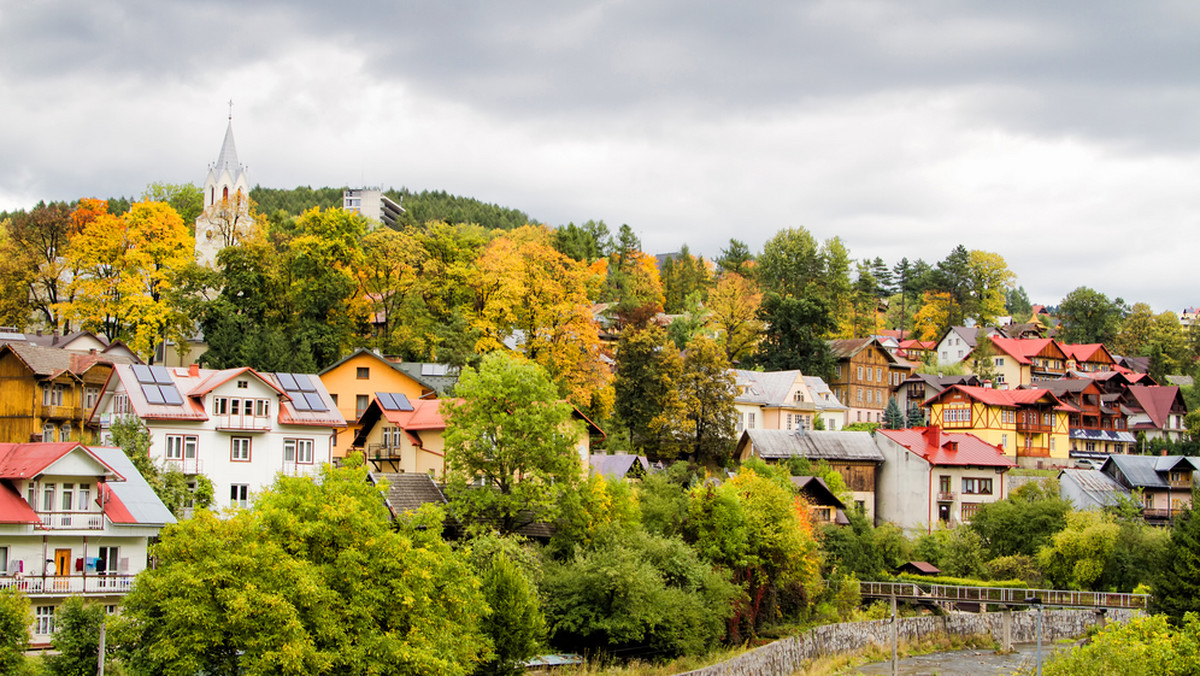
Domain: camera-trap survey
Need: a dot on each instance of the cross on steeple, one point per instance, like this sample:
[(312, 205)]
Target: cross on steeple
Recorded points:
[(231, 109)]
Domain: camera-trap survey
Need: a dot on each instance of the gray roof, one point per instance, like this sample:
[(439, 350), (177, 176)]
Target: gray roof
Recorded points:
[(137, 496), (814, 445), (228, 159), (765, 387), (1120, 436), (1089, 488), (616, 466), (407, 492), (1146, 471), (825, 399)]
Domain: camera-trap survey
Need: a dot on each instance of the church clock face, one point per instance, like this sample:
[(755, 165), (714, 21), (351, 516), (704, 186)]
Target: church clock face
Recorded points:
[(208, 234)]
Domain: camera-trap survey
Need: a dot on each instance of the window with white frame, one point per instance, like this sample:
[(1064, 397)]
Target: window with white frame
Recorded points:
[(120, 404), (85, 497), (48, 432), (239, 495), (64, 432), (108, 561), (180, 446), (91, 394), (750, 421), (976, 486), (239, 449), (304, 451), (44, 623)]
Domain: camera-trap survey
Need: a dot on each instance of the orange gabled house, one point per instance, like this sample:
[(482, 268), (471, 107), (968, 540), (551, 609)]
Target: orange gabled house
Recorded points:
[(1020, 361), (354, 381)]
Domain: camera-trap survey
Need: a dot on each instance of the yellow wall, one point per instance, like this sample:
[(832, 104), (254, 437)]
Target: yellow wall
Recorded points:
[(345, 386), (988, 423)]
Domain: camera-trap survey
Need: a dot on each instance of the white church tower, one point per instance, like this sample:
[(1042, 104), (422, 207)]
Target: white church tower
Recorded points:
[(226, 216)]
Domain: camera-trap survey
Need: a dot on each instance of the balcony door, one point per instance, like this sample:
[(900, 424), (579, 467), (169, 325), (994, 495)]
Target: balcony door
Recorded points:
[(62, 567)]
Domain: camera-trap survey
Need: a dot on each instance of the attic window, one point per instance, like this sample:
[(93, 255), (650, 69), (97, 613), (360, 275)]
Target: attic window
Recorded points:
[(243, 384), (362, 373)]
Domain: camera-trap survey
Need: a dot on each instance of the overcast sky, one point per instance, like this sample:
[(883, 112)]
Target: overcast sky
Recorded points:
[(1063, 136)]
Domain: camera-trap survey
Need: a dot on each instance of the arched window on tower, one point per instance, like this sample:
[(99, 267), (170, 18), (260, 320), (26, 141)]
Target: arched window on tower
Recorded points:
[(225, 193), (212, 196)]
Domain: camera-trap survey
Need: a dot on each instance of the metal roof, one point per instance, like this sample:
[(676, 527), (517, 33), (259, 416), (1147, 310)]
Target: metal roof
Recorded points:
[(814, 445)]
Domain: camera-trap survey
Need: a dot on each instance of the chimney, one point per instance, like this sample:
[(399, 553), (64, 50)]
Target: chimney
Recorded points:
[(933, 435), (194, 370)]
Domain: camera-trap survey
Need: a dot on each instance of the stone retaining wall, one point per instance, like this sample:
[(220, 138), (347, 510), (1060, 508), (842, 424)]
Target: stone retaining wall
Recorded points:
[(786, 656)]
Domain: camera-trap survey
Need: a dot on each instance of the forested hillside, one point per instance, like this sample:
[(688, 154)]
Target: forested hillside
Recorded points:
[(419, 207)]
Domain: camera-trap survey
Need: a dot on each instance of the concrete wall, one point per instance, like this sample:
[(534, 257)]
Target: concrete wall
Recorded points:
[(786, 656)]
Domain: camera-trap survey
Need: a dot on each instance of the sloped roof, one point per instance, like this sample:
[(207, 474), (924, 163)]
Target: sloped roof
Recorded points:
[(844, 348), (26, 461), (769, 388), (51, 361), (823, 396), (1090, 488), (13, 508), (426, 415), (616, 466), (227, 160), (141, 505), (1157, 401), (1024, 349), (1138, 471), (813, 444), (1006, 398), (815, 489), (956, 449), (1088, 352), (407, 492)]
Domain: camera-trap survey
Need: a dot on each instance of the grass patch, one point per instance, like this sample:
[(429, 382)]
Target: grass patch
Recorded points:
[(640, 668)]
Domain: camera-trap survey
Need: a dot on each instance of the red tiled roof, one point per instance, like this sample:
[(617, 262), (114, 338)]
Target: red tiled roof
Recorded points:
[(1022, 349), (1087, 352), (991, 397), (13, 509), (1155, 400), (114, 509), (949, 448), (426, 415), (25, 461)]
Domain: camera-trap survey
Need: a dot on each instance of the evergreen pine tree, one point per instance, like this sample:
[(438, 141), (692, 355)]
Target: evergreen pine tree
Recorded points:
[(893, 418), (916, 417)]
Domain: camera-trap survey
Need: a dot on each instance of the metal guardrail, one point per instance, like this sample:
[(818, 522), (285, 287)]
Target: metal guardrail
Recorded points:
[(60, 585), (1002, 595)]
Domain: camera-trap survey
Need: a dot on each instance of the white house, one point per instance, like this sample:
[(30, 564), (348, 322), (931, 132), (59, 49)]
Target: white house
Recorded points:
[(238, 427), (74, 520), (930, 476)]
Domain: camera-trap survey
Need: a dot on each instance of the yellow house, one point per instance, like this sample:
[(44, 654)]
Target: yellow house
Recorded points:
[(1019, 361), (353, 382), (1030, 425)]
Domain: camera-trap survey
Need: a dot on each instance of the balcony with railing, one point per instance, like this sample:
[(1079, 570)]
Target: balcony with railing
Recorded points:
[(1033, 426), (58, 412), (63, 585), (242, 423), (72, 520), (1180, 483), (1034, 452), (1151, 514), (945, 496), (383, 451)]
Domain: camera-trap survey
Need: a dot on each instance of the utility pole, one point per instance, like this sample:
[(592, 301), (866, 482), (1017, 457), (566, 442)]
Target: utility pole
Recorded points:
[(100, 652)]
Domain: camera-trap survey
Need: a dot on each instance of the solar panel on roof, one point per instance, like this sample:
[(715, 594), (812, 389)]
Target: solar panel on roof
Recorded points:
[(315, 402), (300, 403), (161, 376), (402, 403), (143, 374), (304, 383), (170, 395), (289, 383), (386, 401), (153, 394)]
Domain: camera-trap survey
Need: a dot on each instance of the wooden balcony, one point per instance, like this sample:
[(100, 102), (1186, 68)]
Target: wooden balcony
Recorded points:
[(53, 412), (1034, 452), (71, 520), (1180, 484), (1033, 427), (1160, 514), (383, 452), (95, 584)]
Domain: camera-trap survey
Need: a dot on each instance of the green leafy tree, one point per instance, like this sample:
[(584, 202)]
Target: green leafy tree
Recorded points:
[(683, 275), (706, 389), (736, 258), (509, 429), (647, 402), (76, 637), (1016, 303), (1023, 522), (1088, 316), (1142, 646), (15, 619), (1078, 554), (589, 242), (178, 491), (515, 623), (982, 362), (312, 580), (187, 199)]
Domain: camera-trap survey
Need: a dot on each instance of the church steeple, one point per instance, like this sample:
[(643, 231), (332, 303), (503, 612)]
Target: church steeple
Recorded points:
[(227, 160), (226, 216)]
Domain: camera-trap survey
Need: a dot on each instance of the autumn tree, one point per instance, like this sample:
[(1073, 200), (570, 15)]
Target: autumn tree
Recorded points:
[(387, 277), (527, 291), (733, 315), (706, 388), (187, 199), (510, 430), (633, 286), (125, 268)]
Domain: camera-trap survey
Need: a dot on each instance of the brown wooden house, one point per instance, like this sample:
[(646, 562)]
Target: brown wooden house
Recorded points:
[(865, 377), (46, 393)]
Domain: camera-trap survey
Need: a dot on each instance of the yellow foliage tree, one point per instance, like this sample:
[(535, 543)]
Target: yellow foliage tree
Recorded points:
[(527, 291), (124, 267), (934, 316), (733, 315)]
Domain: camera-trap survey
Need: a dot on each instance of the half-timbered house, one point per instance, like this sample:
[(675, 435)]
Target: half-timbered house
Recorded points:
[(1031, 425)]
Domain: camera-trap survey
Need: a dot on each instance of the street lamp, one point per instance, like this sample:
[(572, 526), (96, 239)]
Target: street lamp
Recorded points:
[(1037, 603)]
